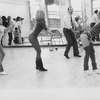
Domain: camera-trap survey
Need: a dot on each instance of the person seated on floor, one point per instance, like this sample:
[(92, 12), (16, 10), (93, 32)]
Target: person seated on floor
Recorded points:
[(16, 35), (18, 24)]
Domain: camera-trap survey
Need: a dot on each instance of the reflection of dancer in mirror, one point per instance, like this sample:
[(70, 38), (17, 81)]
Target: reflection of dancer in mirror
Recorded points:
[(16, 35), (18, 24), (86, 39), (40, 16), (10, 36), (3, 30)]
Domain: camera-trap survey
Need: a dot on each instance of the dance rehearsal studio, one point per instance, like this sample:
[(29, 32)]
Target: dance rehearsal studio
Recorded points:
[(50, 49)]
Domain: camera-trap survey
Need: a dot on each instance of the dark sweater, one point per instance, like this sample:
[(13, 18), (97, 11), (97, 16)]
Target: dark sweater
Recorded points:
[(39, 27)]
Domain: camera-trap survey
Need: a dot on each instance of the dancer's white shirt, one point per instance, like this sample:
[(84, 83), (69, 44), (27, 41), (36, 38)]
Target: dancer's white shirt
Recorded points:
[(94, 18), (67, 22)]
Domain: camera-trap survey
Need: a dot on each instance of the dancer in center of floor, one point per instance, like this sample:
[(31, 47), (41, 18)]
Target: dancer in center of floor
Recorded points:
[(69, 25), (40, 25)]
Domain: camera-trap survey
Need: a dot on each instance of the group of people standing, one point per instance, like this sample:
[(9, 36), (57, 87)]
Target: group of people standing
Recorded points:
[(15, 33), (70, 24), (8, 26), (70, 37)]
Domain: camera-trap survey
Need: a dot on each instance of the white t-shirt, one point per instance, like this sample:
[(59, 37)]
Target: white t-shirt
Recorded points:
[(1, 31), (94, 18), (67, 21)]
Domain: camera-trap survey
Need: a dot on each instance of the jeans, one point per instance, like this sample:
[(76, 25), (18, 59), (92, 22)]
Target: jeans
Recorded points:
[(89, 52)]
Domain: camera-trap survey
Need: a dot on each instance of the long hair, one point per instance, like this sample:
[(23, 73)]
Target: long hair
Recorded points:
[(40, 14), (4, 21)]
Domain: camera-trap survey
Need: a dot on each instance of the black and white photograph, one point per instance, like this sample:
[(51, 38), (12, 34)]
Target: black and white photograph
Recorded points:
[(49, 49)]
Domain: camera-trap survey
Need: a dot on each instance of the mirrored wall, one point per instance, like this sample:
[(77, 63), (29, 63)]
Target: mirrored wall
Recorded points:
[(54, 13)]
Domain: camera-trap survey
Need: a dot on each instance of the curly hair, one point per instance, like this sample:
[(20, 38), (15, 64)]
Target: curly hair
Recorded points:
[(40, 14)]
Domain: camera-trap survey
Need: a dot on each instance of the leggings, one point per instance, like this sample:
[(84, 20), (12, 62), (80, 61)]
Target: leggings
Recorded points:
[(34, 41)]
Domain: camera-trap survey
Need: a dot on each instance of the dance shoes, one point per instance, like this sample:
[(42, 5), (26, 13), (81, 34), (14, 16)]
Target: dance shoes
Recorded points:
[(69, 57), (39, 65), (77, 55), (66, 56)]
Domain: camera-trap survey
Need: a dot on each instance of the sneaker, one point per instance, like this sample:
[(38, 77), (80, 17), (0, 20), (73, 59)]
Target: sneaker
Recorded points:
[(43, 69), (88, 72), (3, 73), (96, 71), (77, 55)]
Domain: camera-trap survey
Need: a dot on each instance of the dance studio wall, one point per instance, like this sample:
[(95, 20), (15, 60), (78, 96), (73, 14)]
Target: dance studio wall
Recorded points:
[(16, 8)]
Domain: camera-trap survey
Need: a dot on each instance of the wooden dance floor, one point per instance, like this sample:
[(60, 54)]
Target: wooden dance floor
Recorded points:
[(19, 63), (62, 73)]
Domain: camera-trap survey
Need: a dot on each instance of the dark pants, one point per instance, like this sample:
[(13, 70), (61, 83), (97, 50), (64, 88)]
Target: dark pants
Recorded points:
[(97, 38), (1, 68), (10, 37), (89, 52), (16, 40), (70, 37)]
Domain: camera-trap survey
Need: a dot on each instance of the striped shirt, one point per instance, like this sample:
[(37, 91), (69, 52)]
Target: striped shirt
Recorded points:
[(95, 30)]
